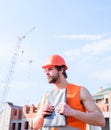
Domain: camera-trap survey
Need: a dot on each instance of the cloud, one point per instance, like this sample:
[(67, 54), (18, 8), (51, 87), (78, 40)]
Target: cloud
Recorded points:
[(103, 75), (94, 58), (82, 36), (98, 47), (107, 59), (94, 48)]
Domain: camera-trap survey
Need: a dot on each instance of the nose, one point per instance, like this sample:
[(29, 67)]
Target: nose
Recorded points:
[(46, 72)]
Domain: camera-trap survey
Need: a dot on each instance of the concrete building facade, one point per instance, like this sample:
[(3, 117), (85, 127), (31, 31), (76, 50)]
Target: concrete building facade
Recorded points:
[(5, 116), (103, 100), (17, 118)]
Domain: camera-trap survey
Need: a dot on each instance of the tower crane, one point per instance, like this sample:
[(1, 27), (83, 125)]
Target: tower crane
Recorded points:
[(12, 67)]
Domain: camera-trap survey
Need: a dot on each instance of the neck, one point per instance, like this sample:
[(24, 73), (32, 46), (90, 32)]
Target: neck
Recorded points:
[(61, 84)]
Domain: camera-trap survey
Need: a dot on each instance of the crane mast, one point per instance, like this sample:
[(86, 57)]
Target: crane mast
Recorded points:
[(12, 67)]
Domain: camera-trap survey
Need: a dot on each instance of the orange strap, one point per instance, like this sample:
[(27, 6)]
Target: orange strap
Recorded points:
[(53, 128)]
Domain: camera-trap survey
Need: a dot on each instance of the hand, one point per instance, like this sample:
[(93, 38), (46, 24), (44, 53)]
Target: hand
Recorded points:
[(46, 110), (64, 108)]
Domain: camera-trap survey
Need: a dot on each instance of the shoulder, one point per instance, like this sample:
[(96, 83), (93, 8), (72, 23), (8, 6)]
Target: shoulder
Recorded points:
[(85, 94)]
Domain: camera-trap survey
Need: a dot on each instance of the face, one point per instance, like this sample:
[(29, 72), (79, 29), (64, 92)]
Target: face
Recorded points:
[(52, 74)]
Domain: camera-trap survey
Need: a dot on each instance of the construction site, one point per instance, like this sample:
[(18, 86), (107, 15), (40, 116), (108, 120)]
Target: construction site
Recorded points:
[(79, 31)]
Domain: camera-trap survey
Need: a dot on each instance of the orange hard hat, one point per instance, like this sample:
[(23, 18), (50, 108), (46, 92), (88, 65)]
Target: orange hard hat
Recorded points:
[(54, 60)]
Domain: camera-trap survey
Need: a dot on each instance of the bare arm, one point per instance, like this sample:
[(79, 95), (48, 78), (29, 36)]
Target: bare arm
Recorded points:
[(93, 116), (38, 120)]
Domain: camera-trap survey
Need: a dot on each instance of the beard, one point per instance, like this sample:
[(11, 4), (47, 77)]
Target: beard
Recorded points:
[(53, 79)]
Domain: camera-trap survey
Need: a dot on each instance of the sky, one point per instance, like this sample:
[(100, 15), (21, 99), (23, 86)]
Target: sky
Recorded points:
[(30, 31)]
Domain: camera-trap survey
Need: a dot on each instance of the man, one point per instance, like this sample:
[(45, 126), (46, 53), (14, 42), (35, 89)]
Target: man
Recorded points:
[(79, 107)]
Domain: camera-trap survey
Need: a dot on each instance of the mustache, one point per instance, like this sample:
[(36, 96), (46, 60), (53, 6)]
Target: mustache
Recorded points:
[(48, 76)]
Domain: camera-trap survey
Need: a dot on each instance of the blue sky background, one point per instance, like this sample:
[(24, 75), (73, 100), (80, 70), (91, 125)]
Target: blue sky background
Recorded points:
[(80, 31)]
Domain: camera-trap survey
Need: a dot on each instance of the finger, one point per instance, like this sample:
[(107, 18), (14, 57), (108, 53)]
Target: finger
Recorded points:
[(50, 108), (46, 113)]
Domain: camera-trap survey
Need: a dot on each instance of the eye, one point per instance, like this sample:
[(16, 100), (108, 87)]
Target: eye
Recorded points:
[(50, 69), (47, 70)]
